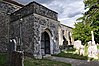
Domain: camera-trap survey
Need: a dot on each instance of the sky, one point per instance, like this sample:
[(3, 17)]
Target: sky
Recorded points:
[(68, 10)]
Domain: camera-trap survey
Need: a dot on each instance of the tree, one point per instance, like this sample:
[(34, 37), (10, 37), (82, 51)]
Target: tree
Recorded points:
[(82, 32), (89, 22), (92, 16)]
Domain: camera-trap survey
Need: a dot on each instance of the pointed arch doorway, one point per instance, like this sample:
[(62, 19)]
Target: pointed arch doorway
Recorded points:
[(45, 43)]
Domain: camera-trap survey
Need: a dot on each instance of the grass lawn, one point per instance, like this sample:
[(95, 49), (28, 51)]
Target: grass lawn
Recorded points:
[(70, 53), (44, 62), (3, 59), (86, 51)]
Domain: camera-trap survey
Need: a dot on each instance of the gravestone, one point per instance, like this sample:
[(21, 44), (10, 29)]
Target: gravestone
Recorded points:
[(79, 47), (82, 50), (92, 50), (77, 44), (93, 41), (89, 43)]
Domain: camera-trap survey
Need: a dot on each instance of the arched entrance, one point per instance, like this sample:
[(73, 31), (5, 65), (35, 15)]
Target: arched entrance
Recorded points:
[(45, 43)]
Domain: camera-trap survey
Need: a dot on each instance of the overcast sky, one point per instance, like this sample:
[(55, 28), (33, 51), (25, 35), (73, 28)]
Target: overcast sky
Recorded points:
[(68, 10)]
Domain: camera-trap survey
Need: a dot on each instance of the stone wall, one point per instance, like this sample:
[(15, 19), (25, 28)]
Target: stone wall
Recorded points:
[(42, 24), (65, 31), (26, 26), (22, 31), (5, 10), (29, 22), (31, 28)]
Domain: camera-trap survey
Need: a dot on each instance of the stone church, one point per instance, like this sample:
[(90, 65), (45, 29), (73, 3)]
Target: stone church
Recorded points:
[(34, 28)]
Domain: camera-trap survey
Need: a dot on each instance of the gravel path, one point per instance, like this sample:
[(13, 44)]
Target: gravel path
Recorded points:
[(74, 62)]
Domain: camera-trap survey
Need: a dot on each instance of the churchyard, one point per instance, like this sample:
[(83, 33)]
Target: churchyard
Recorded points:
[(81, 52), (72, 53), (31, 35), (68, 53), (88, 51)]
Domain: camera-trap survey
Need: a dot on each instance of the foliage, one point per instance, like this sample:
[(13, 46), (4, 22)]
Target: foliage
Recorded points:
[(92, 16), (89, 22), (82, 32), (44, 62)]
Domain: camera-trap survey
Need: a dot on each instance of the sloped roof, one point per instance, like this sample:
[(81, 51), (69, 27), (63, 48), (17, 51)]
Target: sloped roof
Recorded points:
[(67, 26), (14, 2)]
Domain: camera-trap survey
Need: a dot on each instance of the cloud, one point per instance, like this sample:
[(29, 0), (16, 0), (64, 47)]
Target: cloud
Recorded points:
[(70, 21), (73, 14), (44, 1), (68, 10), (39, 1)]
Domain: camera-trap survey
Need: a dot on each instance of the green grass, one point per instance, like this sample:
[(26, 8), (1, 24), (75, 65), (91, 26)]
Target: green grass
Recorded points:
[(98, 47), (71, 55), (86, 51), (3, 59), (44, 62)]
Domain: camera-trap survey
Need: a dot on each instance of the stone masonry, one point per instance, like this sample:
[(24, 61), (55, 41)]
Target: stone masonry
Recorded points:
[(34, 27), (5, 10), (33, 20)]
